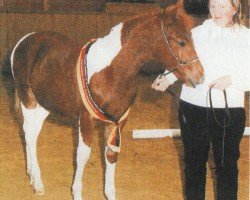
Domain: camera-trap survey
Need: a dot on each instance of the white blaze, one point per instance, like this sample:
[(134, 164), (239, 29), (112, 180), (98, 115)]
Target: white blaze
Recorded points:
[(103, 51)]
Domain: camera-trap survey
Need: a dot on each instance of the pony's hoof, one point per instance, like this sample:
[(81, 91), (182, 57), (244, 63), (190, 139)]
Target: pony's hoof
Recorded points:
[(110, 194), (77, 196), (39, 192), (110, 197)]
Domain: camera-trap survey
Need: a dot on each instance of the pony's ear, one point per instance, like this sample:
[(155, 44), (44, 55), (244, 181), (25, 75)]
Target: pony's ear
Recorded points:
[(168, 14), (190, 21), (180, 3)]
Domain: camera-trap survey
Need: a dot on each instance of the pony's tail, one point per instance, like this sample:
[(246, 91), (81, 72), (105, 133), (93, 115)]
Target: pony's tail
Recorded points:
[(9, 85), (17, 106), (6, 65)]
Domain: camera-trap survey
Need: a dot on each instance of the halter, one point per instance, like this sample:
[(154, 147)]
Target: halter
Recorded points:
[(180, 62)]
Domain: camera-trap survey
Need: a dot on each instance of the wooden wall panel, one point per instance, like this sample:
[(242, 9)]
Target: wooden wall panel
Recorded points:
[(80, 28), (22, 5), (3, 35), (53, 6)]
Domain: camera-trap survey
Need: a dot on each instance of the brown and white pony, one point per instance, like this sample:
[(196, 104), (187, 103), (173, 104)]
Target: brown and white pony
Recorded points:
[(44, 69)]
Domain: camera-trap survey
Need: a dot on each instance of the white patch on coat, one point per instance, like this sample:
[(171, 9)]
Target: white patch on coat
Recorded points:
[(103, 51), (14, 49)]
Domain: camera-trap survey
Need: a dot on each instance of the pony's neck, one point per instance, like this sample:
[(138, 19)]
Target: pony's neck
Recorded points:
[(136, 51), (114, 87)]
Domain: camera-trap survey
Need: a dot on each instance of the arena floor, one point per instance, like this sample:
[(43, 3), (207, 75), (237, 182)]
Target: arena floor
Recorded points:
[(146, 170)]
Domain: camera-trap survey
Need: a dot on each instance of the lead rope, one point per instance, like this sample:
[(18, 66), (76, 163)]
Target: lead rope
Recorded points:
[(224, 125)]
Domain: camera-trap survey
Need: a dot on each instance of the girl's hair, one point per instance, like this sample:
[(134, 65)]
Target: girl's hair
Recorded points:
[(238, 17)]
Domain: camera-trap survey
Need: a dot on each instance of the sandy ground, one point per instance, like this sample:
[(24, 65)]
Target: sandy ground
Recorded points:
[(146, 170)]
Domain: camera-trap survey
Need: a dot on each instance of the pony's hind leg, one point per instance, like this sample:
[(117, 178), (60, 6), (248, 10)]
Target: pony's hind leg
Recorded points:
[(32, 124), (83, 153)]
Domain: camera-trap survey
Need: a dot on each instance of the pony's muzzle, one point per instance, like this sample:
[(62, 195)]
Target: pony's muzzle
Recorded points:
[(201, 80), (193, 83), (190, 83)]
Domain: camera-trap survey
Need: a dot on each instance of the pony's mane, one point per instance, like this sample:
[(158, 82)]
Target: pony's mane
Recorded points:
[(171, 13), (142, 19), (134, 20)]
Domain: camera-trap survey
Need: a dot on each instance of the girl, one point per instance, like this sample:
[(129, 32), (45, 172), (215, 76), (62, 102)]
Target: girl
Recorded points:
[(223, 47)]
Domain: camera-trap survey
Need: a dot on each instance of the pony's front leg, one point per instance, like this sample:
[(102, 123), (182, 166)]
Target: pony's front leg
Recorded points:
[(83, 154), (110, 161)]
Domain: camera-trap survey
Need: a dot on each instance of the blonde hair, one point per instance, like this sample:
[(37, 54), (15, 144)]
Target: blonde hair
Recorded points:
[(238, 17)]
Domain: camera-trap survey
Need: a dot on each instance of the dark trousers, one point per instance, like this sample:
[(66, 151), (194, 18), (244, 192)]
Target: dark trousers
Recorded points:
[(197, 132)]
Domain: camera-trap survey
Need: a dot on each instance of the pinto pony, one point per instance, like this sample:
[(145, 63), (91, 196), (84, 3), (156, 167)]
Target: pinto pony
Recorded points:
[(45, 67)]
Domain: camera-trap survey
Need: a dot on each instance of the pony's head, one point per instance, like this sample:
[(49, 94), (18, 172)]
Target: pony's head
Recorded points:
[(176, 26), (171, 46)]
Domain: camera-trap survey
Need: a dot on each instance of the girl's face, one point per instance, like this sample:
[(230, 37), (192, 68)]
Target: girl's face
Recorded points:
[(222, 12)]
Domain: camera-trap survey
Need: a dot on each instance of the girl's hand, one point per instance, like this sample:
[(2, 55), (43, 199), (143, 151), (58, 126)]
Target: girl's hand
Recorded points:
[(161, 83), (221, 83)]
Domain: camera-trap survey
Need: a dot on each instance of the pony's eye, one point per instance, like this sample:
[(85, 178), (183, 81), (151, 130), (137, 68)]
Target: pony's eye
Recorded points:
[(181, 44)]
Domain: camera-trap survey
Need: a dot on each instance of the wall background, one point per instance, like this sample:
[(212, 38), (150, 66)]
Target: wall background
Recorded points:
[(81, 21)]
